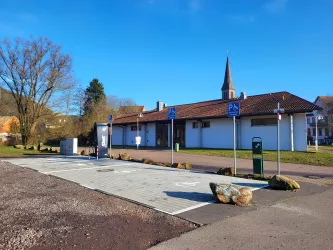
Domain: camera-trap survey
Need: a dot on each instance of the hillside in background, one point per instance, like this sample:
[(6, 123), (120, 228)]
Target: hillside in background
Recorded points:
[(7, 103)]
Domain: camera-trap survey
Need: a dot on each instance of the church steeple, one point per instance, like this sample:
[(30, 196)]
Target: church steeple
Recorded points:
[(228, 88)]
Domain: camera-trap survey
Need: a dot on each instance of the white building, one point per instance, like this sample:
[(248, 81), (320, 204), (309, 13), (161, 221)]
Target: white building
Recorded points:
[(206, 124), (325, 133)]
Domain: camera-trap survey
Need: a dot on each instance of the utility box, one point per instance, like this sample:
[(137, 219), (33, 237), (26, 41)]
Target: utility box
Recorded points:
[(101, 139), (68, 146), (257, 156), (177, 147)]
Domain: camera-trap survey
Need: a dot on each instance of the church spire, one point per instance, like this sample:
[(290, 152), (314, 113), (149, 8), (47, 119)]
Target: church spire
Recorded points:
[(228, 88)]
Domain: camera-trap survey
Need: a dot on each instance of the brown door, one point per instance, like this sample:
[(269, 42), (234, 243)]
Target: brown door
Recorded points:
[(161, 134)]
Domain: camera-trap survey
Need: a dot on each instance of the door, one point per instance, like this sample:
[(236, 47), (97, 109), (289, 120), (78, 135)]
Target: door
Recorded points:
[(161, 134)]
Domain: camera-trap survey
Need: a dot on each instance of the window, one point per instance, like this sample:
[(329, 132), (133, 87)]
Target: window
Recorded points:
[(309, 132), (134, 128), (195, 125), (263, 122), (309, 120), (320, 132), (206, 124), (313, 131)]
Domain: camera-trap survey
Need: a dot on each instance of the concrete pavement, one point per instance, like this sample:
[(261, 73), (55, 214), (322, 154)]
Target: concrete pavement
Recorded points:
[(321, 175), (301, 223)]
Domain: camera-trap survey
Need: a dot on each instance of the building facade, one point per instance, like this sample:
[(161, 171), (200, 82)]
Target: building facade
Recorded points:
[(324, 125), (206, 124)]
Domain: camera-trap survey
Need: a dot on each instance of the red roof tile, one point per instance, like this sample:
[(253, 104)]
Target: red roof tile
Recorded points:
[(252, 105)]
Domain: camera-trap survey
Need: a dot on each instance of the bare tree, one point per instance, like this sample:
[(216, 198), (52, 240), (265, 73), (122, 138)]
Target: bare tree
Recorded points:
[(33, 70)]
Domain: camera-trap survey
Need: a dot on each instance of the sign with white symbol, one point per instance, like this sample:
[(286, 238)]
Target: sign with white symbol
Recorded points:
[(186, 184), (110, 118), (171, 113), (103, 141), (278, 111), (233, 109), (138, 140)]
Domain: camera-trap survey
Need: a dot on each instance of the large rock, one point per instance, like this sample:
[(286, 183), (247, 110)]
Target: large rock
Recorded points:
[(124, 157), (177, 165), (19, 146), (227, 193), (244, 198), (226, 171), (283, 182), (187, 165)]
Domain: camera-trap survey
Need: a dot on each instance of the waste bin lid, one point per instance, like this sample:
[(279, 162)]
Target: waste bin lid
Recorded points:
[(101, 124)]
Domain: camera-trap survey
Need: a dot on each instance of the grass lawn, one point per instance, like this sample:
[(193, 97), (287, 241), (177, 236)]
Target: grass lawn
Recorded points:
[(308, 158), (10, 151), (321, 148)]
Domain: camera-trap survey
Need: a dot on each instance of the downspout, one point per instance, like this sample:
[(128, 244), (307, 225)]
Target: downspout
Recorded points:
[(291, 118)]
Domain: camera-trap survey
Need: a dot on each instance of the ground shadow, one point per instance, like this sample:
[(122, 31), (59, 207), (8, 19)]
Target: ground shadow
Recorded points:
[(251, 185), (193, 196)]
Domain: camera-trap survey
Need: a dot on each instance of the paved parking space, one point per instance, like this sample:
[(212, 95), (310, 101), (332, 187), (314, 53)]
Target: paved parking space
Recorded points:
[(172, 191)]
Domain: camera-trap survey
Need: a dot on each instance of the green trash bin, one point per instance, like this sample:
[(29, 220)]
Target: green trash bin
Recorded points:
[(177, 147), (258, 166)]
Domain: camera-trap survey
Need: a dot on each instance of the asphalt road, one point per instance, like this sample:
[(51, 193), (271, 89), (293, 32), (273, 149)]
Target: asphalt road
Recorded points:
[(301, 223)]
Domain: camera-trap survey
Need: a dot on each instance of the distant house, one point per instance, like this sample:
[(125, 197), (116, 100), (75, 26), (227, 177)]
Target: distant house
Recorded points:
[(325, 133), (207, 125), (6, 135)]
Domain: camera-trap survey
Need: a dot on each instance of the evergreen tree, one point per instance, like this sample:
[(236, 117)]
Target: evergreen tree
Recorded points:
[(94, 94)]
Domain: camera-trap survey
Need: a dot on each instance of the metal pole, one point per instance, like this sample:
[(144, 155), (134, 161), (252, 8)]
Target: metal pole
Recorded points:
[(97, 152), (171, 141), (278, 138), (316, 133), (110, 138), (234, 120), (137, 131)]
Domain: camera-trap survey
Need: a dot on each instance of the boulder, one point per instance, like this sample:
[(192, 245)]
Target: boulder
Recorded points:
[(227, 193), (177, 165), (147, 161), (19, 146), (283, 182), (187, 165), (226, 171), (124, 157), (244, 198)]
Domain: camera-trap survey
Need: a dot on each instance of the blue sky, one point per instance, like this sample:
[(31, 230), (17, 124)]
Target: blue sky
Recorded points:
[(175, 50)]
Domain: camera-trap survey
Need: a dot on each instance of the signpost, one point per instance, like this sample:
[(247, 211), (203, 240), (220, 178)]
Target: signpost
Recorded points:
[(171, 116), (278, 113), (110, 122), (233, 111), (318, 117)]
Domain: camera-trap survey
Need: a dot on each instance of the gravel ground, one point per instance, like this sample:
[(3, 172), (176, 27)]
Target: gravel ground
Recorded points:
[(42, 212)]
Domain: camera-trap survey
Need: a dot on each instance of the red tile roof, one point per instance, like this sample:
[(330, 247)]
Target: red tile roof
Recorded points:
[(252, 105), (327, 99)]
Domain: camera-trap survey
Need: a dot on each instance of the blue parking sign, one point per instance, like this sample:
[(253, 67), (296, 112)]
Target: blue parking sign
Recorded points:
[(171, 113), (233, 109)]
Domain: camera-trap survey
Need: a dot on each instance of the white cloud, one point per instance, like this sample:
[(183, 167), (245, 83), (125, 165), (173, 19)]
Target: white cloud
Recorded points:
[(274, 6)]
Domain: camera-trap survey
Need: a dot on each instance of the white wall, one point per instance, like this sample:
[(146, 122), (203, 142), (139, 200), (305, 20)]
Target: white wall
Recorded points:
[(147, 133), (192, 135), (219, 135), (117, 135), (267, 133), (300, 132), (151, 135)]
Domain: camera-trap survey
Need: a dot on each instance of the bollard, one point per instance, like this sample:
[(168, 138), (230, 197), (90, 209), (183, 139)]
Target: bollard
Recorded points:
[(97, 152)]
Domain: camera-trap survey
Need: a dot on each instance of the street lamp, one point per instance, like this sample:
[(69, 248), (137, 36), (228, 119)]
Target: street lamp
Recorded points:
[(318, 117), (137, 130)]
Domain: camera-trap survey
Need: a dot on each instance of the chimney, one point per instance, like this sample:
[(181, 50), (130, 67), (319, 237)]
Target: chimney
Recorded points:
[(243, 96), (159, 106)]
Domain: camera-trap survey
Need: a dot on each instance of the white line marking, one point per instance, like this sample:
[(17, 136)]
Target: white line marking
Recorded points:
[(192, 207), (78, 169), (87, 187), (186, 184)]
